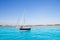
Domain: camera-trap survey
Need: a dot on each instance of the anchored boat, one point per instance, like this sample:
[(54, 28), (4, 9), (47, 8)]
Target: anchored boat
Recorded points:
[(24, 26)]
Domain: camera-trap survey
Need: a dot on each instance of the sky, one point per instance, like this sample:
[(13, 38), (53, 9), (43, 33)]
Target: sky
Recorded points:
[(35, 11)]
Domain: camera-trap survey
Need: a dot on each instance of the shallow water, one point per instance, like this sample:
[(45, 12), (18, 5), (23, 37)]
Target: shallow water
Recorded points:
[(36, 33)]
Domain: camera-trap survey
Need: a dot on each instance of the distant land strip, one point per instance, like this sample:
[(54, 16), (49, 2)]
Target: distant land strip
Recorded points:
[(35, 25)]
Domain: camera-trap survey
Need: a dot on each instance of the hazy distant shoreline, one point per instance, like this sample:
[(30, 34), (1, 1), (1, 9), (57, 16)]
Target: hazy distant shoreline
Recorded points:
[(35, 25)]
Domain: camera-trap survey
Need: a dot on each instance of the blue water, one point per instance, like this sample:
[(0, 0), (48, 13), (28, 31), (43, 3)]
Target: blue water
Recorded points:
[(36, 33)]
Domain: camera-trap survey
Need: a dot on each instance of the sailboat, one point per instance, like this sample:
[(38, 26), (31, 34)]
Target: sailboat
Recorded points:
[(24, 26)]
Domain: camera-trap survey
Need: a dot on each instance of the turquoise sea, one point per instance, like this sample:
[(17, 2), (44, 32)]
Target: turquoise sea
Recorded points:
[(36, 33)]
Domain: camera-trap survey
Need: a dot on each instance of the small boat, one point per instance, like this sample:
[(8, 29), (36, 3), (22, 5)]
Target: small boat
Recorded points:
[(25, 28)]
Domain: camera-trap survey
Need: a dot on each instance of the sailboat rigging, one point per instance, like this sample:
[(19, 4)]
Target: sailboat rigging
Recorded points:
[(24, 26)]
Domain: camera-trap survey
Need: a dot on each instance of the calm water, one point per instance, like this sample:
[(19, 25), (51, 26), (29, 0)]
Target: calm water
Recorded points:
[(36, 33)]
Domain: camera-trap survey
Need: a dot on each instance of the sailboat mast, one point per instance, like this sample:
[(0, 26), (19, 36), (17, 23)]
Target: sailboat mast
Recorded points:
[(24, 18), (23, 27)]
